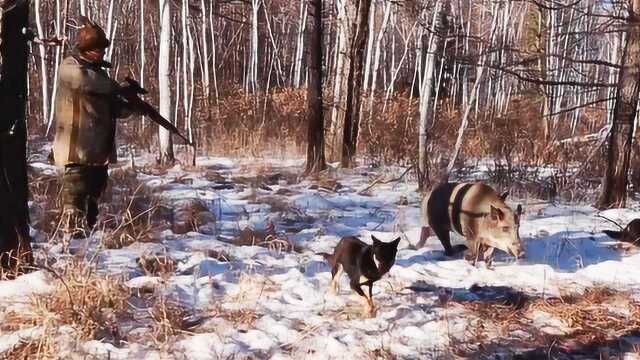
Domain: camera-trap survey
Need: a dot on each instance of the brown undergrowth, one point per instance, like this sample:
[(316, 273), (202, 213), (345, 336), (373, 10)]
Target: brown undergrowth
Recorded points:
[(92, 306), (597, 318), (131, 212)]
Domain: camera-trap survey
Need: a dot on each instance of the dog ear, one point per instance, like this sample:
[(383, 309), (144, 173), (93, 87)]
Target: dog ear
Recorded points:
[(395, 242), (376, 241), (613, 234)]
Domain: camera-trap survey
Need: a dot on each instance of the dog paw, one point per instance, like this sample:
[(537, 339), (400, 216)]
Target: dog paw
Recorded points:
[(370, 311)]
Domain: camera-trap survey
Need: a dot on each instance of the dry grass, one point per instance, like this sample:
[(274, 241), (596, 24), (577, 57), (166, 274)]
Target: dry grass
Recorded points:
[(382, 354), (219, 255), (169, 319), (593, 316), (91, 304), (45, 192), (133, 213), (43, 349), (268, 238), (596, 318), (154, 264), (95, 307), (242, 318), (190, 215)]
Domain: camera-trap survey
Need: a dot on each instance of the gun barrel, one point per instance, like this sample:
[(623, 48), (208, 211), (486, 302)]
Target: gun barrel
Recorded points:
[(146, 109)]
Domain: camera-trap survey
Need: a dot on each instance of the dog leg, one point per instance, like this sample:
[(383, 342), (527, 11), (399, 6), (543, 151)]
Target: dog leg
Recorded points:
[(372, 307), (367, 308), (355, 285), (335, 279)]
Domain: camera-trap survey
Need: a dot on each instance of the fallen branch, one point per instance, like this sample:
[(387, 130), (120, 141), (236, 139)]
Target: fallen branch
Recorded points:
[(379, 180), (612, 221)]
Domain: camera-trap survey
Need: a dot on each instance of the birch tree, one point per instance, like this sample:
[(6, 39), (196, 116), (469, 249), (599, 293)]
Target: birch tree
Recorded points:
[(435, 41), (298, 63), (340, 83), (44, 85), (164, 81)]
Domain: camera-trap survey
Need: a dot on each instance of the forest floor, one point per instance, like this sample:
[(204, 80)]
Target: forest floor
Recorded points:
[(220, 261)]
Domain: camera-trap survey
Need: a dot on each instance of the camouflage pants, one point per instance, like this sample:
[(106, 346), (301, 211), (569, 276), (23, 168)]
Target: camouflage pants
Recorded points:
[(82, 186)]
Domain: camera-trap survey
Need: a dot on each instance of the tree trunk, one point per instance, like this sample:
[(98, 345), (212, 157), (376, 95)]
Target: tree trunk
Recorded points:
[(343, 63), (354, 87), (43, 65), (60, 31), (164, 82), (315, 134), (614, 182), (300, 44), (426, 89), (253, 66), (15, 244)]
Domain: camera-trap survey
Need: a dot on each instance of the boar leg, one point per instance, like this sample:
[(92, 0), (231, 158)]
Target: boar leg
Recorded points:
[(443, 235), (474, 251), (425, 232), (488, 257)]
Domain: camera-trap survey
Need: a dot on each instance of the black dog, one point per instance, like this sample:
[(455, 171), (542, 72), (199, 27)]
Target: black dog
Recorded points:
[(364, 264)]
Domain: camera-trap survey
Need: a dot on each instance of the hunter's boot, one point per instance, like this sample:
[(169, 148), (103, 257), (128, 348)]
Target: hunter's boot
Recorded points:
[(73, 223), (92, 212)]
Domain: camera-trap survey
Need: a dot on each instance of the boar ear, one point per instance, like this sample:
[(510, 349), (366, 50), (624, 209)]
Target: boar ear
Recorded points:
[(504, 195), (85, 21), (496, 214)]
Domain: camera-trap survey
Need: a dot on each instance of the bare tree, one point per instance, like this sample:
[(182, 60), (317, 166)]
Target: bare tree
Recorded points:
[(341, 71), (164, 81), (354, 84), (43, 64), (426, 88), (615, 180), (297, 65), (14, 213), (315, 113)]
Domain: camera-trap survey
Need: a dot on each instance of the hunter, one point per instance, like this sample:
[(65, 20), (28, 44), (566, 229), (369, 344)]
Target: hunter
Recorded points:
[(86, 108)]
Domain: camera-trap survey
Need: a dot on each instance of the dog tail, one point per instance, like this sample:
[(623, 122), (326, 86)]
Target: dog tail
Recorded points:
[(329, 258)]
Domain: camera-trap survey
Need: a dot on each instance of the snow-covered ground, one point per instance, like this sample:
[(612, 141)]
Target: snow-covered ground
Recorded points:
[(283, 294)]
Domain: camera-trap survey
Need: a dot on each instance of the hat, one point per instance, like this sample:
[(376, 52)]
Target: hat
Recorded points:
[(91, 36)]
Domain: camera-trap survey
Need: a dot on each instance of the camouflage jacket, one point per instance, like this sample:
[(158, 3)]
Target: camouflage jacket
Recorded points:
[(86, 108)]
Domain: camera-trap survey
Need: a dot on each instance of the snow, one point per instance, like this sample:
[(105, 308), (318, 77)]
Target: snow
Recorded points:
[(294, 314)]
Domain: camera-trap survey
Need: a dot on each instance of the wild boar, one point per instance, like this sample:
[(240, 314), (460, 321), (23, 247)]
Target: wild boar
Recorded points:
[(475, 211), (630, 234)]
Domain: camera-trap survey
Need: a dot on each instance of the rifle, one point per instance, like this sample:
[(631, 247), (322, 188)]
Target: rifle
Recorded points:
[(131, 91)]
